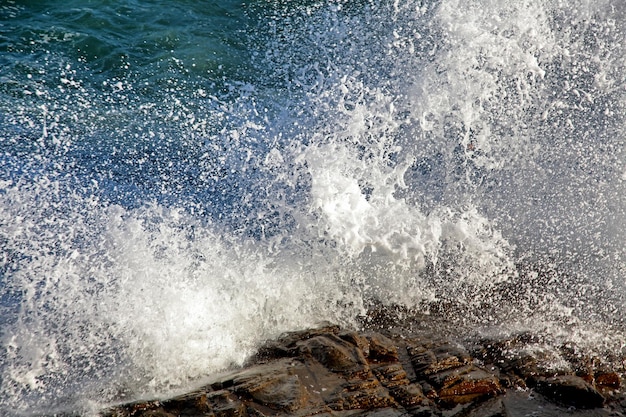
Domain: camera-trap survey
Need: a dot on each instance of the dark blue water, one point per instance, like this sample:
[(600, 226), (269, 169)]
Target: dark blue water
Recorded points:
[(181, 180)]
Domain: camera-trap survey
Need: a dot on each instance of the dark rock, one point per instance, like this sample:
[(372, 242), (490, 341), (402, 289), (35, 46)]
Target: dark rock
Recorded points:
[(409, 396), (429, 391), (363, 399), (427, 361), (274, 385), (158, 413), (391, 375), (224, 404), (285, 345), (492, 408), (342, 373), (335, 354), (520, 403), (570, 390), (357, 340), (469, 384), (291, 338), (189, 404), (607, 380), (381, 348)]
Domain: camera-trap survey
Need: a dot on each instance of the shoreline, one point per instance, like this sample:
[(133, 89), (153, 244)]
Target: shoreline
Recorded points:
[(333, 371)]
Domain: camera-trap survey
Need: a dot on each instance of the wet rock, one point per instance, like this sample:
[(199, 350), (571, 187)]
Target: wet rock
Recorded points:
[(409, 396), (492, 408), (427, 361), (158, 413), (381, 348), (525, 357), (449, 375), (468, 384), (286, 344), (357, 399), (570, 390), (335, 354), (198, 401), (274, 385), (607, 380), (224, 404), (391, 375), (341, 373), (357, 340)]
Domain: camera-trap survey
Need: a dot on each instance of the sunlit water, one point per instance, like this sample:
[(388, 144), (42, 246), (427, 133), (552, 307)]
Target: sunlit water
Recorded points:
[(182, 180)]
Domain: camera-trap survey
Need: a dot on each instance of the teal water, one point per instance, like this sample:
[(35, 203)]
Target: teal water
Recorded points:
[(181, 180), (87, 82)]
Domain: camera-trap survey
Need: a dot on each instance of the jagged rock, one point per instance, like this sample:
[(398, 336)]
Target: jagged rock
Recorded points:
[(199, 401), (467, 384), (525, 361), (391, 375), (450, 376), (275, 385), (492, 408), (335, 353), (409, 396), (342, 373), (570, 390), (381, 348), (285, 345), (158, 413), (357, 340), (356, 399), (224, 404), (607, 380), (440, 358)]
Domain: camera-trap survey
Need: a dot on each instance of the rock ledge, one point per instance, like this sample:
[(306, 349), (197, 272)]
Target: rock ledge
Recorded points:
[(331, 371)]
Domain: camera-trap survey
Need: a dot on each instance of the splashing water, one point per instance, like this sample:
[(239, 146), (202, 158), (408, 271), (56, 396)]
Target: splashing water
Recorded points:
[(181, 181)]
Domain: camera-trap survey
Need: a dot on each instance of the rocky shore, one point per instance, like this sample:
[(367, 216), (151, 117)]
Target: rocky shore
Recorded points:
[(330, 371)]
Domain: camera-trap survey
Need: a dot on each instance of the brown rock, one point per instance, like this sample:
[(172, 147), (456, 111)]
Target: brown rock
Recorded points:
[(355, 339), (284, 393), (285, 345), (607, 380), (570, 390), (315, 387), (440, 358), (429, 391), (391, 375), (335, 354), (492, 408), (528, 357), (424, 361), (158, 413), (225, 404), (358, 399), (409, 395), (333, 372), (143, 409), (191, 403), (521, 364), (382, 348), (291, 338), (468, 384), (273, 386)]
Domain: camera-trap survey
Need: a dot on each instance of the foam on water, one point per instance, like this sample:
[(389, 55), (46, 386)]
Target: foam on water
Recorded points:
[(156, 227)]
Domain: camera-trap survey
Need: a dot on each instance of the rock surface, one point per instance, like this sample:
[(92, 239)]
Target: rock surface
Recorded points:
[(330, 371)]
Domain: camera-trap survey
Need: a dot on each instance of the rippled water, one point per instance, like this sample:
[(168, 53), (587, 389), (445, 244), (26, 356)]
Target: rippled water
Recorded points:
[(181, 180)]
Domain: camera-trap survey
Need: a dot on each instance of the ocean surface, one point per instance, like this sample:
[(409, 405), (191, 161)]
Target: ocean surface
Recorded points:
[(181, 180)]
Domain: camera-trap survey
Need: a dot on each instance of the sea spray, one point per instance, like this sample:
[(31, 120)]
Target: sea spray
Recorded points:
[(163, 213)]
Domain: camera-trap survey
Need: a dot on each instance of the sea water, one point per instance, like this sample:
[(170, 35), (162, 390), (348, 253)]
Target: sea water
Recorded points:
[(181, 180)]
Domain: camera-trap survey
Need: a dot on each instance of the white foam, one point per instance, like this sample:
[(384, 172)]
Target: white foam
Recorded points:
[(418, 153)]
